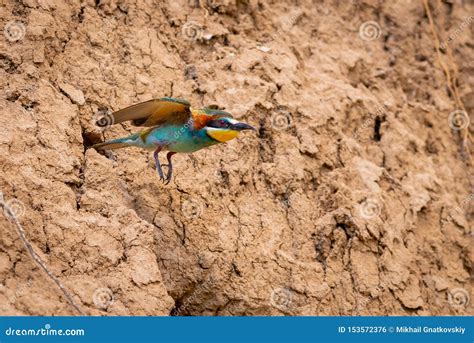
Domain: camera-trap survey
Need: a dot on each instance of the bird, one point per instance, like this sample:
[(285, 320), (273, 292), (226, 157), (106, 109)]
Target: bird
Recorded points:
[(171, 125)]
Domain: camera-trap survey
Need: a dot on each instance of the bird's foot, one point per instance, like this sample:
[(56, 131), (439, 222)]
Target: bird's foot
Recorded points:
[(158, 165), (168, 176), (160, 173)]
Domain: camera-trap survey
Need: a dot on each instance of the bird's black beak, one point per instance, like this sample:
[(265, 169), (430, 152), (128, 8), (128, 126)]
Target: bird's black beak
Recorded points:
[(242, 126)]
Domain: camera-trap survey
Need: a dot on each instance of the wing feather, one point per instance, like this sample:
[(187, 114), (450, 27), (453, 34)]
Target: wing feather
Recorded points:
[(152, 113)]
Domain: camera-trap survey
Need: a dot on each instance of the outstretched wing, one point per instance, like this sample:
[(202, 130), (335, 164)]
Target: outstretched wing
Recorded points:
[(152, 113)]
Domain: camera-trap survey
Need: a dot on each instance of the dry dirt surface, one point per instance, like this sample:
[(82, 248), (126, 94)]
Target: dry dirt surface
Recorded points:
[(353, 198)]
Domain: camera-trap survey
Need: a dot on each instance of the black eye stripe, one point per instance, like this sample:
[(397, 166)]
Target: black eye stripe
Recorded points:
[(212, 123), (218, 123)]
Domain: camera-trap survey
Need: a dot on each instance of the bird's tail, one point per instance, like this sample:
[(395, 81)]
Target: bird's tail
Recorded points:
[(116, 143)]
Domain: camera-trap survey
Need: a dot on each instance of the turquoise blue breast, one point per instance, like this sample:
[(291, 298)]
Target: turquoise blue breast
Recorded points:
[(179, 139)]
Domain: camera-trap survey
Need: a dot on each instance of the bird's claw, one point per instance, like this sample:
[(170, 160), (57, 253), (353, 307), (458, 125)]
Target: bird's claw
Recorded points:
[(158, 165), (161, 177), (166, 180), (159, 169)]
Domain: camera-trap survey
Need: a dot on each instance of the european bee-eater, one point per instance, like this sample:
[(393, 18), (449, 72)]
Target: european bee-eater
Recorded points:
[(173, 126)]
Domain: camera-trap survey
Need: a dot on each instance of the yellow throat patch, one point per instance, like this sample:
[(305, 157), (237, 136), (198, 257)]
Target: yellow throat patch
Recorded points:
[(222, 135)]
